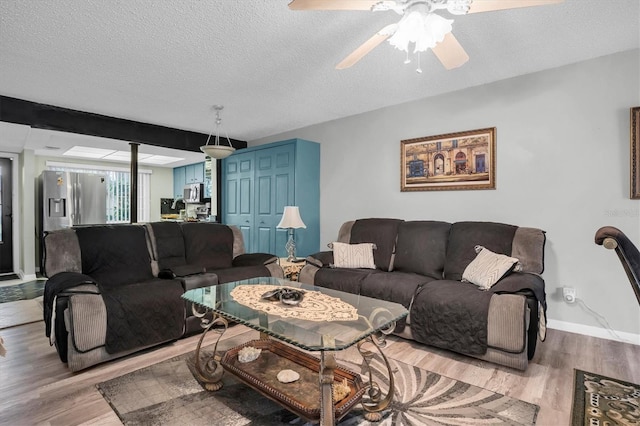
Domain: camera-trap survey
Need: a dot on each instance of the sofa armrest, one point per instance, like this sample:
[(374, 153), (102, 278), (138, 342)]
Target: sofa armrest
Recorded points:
[(323, 259), (58, 283), (254, 259)]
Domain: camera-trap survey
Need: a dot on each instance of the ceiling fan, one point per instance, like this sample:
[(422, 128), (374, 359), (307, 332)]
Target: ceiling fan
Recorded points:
[(420, 24)]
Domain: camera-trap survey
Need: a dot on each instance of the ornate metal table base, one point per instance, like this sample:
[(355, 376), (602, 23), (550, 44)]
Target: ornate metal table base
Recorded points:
[(375, 403), (208, 371)]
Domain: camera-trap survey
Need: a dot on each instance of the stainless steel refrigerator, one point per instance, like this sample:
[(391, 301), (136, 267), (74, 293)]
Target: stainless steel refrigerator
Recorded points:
[(70, 199)]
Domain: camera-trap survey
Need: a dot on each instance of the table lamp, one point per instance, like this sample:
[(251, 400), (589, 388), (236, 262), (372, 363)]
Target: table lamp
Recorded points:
[(291, 220)]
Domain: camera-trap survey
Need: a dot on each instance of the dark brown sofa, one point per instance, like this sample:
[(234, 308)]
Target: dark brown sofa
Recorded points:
[(420, 264), (116, 289)]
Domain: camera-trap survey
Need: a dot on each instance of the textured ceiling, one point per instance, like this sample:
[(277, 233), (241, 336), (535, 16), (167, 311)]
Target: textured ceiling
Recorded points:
[(167, 62)]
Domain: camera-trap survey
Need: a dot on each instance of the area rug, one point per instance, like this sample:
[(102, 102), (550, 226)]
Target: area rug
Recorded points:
[(601, 400), (167, 394), (23, 291)]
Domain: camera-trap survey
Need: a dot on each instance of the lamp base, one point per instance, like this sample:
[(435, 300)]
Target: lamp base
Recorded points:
[(290, 247)]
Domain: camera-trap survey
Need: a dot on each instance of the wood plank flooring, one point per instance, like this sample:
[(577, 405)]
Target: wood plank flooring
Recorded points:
[(36, 388)]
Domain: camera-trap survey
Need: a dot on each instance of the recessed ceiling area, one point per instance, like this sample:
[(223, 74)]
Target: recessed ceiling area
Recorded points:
[(169, 62), (119, 156)]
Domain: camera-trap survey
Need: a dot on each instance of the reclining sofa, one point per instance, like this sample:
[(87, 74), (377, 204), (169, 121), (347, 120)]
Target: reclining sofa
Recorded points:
[(421, 265), (116, 289)]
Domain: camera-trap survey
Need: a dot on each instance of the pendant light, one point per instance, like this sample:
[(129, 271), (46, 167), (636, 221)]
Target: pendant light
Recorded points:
[(216, 150)]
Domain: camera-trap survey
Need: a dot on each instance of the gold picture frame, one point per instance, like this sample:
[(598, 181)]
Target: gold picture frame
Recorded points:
[(453, 161), (635, 155)]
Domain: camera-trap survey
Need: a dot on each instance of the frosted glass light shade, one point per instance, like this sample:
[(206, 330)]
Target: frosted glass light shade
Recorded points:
[(291, 218), (424, 29), (217, 151)]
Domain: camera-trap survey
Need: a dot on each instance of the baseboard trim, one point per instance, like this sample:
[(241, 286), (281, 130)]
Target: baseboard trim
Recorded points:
[(588, 330), (25, 277)]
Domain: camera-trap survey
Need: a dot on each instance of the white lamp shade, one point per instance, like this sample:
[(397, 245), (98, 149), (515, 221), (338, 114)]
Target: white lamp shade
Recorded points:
[(291, 218)]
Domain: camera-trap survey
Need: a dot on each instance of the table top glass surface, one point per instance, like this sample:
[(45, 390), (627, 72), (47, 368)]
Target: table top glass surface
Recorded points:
[(326, 319)]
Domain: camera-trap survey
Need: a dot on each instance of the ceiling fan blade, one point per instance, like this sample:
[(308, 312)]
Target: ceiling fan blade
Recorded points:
[(332, 4), (450, 52), (367, 47), (490, 5)]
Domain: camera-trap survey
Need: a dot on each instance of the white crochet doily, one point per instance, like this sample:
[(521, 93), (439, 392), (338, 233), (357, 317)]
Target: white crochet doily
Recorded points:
[(315, 306)]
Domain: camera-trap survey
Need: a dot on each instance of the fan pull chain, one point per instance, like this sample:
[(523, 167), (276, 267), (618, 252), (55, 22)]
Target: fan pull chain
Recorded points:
[(407, 61), (418, 70)]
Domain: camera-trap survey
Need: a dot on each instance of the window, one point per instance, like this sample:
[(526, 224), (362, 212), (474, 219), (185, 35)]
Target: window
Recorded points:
[(118, 179)]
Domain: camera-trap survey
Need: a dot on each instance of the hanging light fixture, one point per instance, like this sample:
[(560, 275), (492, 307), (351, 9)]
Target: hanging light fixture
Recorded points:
[(422, 28), (216, 150)]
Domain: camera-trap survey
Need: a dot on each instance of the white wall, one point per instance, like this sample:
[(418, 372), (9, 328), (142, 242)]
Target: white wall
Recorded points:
[(562, 165)]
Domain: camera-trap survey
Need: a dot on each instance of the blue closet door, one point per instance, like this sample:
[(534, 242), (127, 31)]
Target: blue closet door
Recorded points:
[(260, 181), (238, 198), (274, 179)]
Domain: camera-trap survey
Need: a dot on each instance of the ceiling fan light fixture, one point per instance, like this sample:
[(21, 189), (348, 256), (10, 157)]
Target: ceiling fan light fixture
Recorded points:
[(216, 150), (425, 30)]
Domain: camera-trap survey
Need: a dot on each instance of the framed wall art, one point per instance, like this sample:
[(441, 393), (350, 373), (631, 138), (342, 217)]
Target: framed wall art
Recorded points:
[(635, 155), (454, 161)]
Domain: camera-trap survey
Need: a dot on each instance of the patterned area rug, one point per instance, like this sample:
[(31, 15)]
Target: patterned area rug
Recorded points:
[(600, 400), (166, 393), (23, 291)]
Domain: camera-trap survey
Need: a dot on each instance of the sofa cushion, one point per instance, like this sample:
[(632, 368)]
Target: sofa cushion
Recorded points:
[(382, 233), (421, 247), (238, 273), (463, 238), (347, 280), (168, 244), (208, 244), (398, 287), (114, 255), (353, 255), (487, 268), (451, 315)]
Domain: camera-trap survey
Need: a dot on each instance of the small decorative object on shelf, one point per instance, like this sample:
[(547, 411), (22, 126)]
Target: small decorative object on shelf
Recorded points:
[(341, 390), (287, 376), (248, 354), (292, 268)]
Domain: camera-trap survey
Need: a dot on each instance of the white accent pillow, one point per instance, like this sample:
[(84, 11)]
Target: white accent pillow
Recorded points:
[(353, 255), (487, 268)]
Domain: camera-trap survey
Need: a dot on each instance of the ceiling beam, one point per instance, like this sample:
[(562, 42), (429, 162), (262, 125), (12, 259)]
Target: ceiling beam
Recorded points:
[(50, 117)]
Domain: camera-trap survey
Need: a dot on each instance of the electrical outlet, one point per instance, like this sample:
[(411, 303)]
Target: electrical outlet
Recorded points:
[(569, 294)]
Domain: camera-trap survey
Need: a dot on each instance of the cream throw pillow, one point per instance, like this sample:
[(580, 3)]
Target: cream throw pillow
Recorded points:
[(353, 255), (487, 268)]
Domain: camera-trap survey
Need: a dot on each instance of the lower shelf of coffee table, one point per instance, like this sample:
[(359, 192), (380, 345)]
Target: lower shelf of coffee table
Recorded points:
[(301, 397)]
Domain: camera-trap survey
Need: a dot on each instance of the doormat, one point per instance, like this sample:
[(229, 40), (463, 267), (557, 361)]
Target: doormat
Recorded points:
[(7, 277), (23, 291), (601, 400), (167, 393)]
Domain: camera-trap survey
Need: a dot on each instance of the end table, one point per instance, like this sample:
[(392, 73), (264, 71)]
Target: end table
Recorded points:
[(291, 269)]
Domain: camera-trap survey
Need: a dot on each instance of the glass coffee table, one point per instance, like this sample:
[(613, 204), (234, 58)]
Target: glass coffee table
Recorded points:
[(323, 321)]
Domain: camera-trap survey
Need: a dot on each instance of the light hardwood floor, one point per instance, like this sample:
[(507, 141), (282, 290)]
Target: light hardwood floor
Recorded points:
[(36, 388)]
